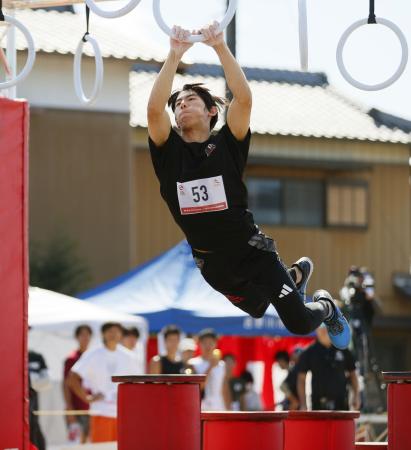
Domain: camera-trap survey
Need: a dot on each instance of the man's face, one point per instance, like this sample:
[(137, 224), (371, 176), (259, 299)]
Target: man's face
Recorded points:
[(129, 341), (172, 342), (190, 110), (207, 345), (113, 335), (83, 338)]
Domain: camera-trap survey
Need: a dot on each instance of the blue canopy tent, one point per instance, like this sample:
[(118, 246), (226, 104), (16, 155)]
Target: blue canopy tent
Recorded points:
[(170, 289)]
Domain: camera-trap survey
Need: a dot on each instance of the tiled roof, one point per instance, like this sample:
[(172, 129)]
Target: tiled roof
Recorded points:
[(61, 32), (284, 105)]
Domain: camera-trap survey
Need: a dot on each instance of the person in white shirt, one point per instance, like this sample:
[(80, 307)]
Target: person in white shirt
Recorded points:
[(216, 395), (94, 371)]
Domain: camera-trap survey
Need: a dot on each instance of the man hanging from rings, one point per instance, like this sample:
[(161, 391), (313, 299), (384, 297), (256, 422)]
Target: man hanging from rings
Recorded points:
[(200, 178)]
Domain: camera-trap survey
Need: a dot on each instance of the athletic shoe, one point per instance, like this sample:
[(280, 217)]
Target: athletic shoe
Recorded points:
[(337, 325), (307, 268)]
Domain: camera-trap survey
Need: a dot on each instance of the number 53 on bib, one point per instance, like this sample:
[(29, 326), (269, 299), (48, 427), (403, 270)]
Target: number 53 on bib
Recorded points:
[(201, 196)]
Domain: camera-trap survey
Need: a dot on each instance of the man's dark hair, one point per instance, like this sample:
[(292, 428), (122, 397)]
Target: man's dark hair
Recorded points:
[(207, 332), (282, 356), (80, 328), (106, 326), (131, 331), (171, 329), (204, 93)]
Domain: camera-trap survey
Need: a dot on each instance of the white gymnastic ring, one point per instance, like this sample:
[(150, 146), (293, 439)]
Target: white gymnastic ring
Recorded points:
[(112, 14), (232, 7), (393, 78), (303, 34), (98, 83), (31, 55)]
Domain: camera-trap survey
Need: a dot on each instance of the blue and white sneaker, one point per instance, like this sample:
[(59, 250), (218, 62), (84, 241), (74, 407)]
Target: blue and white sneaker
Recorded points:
[(337, 325), (307, 268)]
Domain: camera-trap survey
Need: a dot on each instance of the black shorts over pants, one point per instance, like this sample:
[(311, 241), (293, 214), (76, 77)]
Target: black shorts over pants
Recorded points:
[(252, 276)]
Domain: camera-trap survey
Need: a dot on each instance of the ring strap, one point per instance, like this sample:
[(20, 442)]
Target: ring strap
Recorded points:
[(87, 23), (371, 15)]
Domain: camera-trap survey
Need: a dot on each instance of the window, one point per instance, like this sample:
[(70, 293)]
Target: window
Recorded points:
[(286, 201), (347, 204)]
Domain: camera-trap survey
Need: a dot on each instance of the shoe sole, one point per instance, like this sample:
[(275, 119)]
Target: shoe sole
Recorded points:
[(309, 276)]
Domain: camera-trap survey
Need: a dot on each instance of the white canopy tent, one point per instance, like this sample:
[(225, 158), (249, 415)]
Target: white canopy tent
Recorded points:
[(53, 318)]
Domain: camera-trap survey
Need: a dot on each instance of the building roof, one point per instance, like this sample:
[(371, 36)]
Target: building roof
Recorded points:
[(61, 32), (285, 103)]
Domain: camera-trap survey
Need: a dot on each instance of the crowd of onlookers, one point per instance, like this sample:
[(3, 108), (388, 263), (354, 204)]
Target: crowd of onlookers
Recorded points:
[(90, 395)]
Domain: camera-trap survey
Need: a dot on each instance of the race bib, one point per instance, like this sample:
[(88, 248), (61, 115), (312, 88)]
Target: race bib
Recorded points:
[(201, 196)]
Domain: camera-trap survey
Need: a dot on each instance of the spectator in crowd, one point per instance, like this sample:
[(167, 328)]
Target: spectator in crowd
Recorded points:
[(187, 349), (94, 369), (210, 364), (130, 339), (282, 358), (330, 368), (235, 384), (280, 373), (78, 426), (38, 381), (170, 362), (289, 385), (249, 398)]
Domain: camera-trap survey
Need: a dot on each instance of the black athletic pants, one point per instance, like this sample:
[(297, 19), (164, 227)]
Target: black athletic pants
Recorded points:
[(252, 276)]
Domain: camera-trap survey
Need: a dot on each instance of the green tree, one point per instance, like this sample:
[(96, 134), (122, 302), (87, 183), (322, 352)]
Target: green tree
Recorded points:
[(55, 265)]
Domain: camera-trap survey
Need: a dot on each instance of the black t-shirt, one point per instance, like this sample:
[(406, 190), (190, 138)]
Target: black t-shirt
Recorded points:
[(212, 209), (170, 367), (328, 366)]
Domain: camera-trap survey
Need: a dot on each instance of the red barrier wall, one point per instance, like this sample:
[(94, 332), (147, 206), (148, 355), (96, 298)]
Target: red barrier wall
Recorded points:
[(14, 117)]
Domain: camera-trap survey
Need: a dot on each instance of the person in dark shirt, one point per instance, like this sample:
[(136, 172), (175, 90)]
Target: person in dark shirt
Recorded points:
[(79, 424), (170, 362), (201, 181), (330, 368)]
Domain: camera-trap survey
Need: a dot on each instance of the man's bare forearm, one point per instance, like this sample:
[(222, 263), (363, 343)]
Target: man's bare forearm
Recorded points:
[(236, 80), (162, 87)]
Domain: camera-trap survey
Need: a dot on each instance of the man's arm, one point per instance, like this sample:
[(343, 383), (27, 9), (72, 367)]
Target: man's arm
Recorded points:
[(239, 111), (301, 390), (159, 124), (74, 383), (355, 400), (155, 365)]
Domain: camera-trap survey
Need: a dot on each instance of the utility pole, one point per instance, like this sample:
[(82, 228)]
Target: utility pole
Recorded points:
[(231, 42)]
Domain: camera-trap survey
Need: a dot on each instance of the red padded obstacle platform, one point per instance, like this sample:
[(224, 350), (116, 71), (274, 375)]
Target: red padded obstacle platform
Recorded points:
[(243, 430), (14, 116), (159, 412), (320, 430), (399, 410)]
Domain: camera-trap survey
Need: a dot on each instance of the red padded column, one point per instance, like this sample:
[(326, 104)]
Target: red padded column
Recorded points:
[(159, 412), (399, 405), (243, 430), (14, 116), (320, 430)]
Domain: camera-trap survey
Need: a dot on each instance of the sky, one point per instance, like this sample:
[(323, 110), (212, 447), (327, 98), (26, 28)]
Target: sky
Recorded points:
[(267, 36)]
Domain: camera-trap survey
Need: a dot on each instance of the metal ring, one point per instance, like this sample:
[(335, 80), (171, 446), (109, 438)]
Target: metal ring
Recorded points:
[(232, 7), (393, 78), (98, 83), (112, 14), (303, 34), (31, 56)]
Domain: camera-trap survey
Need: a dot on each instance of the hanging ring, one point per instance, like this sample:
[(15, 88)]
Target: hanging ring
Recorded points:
[(112, 14), (303, 34), (232, 7), (98, 83), (393, 78), (31, 56)]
